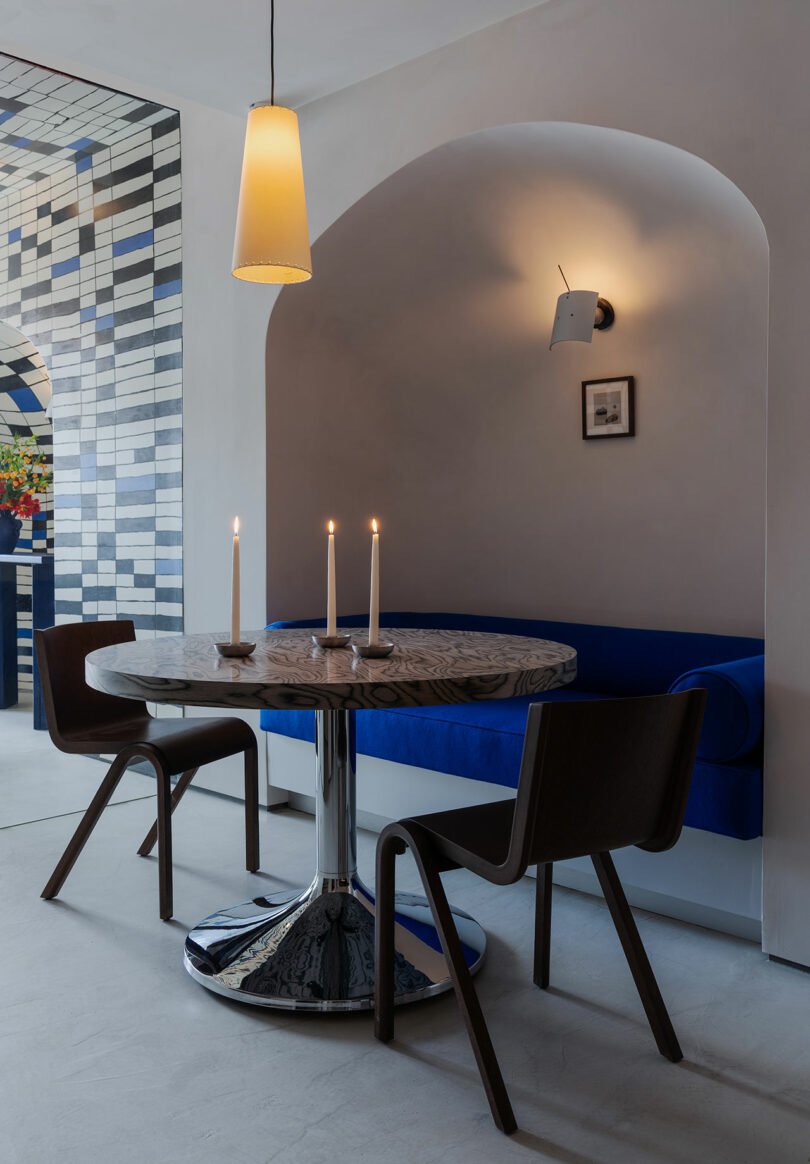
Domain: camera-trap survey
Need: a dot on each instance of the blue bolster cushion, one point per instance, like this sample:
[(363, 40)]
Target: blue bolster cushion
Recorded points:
[(732, 725)]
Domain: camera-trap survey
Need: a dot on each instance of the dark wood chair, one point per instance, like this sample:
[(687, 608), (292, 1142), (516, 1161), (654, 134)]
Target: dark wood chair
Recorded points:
[(83, 720), (594, 777)]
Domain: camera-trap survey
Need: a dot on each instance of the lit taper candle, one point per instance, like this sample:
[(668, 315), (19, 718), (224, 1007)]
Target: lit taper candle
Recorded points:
[(374, 601), (235, 634), (331, 605)]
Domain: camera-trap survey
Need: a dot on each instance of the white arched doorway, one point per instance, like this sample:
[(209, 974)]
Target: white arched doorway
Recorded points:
[(412, 378), (414, 373)]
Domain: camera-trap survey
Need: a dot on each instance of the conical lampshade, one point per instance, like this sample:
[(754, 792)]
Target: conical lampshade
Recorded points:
[(272, 239)]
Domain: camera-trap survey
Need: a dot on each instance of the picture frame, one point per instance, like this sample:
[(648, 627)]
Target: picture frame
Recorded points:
[(608, 408)]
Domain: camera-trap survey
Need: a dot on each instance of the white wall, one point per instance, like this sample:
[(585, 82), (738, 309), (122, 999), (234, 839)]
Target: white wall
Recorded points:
[(725, 80), (412, 378), (705, 879), (223, 405)]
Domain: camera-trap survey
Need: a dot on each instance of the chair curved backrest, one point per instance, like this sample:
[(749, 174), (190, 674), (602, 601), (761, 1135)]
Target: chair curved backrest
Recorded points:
[(604, 774), (74, 710)]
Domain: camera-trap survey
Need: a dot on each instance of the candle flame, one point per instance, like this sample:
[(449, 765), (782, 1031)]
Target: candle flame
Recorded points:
[(235, 526), (331, 527), (374, 524)]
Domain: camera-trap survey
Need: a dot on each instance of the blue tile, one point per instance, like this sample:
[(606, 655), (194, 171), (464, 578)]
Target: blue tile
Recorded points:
[(166, 289), (131, 484), (14, 235), (81, 143), (20, 142), (5, 116), (25, 400), (104, 321), (68, 501), (64, 607), (83, 164), (87, 313), (135, 242), (64, 267), (168, 566), (87, 460), (136, 497)]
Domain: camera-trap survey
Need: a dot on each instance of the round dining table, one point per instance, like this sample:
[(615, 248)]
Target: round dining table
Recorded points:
[(314, 950)]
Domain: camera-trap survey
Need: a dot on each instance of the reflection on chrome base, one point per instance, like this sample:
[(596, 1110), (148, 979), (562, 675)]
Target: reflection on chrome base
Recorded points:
[(316, 951)]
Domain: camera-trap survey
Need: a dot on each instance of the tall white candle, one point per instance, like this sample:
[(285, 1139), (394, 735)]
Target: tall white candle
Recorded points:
[(331, 606), (374, 601), (235, 585)]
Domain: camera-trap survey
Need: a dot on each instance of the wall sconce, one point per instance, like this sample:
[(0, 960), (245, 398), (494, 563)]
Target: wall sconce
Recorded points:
[(579, 314)]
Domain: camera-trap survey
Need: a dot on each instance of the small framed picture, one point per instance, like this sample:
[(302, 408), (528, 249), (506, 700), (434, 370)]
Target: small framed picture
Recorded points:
[(608, 408)]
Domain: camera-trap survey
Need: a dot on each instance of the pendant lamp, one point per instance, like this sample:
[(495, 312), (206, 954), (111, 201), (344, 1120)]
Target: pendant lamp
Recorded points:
[(272, 238)]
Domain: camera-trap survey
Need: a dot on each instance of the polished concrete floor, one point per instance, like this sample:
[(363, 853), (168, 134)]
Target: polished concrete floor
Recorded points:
[(110, 1052)]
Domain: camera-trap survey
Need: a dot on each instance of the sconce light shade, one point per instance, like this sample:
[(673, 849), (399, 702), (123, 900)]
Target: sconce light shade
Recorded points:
[(578, 315), (272, 238), (574, 317)]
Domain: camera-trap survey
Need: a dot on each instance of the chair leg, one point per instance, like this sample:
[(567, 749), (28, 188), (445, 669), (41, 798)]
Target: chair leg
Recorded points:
[(542, 926), (164, 841), (637, 960), (252, 809), (86, 826), (180, 787), (387, 851), (467, 998)]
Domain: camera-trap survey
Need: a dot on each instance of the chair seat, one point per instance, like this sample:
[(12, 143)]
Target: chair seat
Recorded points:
[(183, 744), (476, 837)]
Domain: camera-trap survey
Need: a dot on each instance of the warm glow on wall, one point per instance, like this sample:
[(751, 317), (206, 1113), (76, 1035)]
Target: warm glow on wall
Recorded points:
[(272, 239)]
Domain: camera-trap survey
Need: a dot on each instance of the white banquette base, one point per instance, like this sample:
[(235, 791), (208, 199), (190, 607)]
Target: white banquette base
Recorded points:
[(706, 879)]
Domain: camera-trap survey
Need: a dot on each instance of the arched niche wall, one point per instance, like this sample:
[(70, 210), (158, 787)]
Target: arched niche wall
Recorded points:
[(412, 379), (25, 386)]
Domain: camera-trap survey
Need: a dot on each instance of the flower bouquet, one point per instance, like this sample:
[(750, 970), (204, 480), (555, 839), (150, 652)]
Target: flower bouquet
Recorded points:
[(24, 472)]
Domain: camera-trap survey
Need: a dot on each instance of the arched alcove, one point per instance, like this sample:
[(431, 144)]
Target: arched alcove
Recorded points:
[(25, 397), (412, 378), (25, 386)]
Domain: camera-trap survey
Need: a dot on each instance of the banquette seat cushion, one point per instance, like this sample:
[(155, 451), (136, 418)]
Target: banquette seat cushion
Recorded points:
[(483, 741)]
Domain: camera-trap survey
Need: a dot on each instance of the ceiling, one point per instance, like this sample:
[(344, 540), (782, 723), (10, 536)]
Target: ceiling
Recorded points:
[(218, 53)]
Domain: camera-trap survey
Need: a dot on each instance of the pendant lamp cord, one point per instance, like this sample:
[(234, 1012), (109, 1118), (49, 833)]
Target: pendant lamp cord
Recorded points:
[(272, 52)]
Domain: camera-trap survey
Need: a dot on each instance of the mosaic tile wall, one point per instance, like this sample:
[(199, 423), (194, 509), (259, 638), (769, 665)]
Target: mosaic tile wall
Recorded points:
[(91, 253)]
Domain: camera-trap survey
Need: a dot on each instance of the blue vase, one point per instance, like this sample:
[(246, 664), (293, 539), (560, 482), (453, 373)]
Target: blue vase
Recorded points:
[(10, 527)]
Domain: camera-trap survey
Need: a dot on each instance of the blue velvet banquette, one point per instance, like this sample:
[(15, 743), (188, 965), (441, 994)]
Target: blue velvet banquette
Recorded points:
[(483, 741)]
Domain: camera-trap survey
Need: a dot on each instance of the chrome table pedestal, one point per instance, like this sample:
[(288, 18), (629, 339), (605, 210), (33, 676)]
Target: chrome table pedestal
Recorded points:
[(315, 951)]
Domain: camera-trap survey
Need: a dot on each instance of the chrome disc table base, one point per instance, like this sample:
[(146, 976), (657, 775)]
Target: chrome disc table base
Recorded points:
[(316, 951)]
